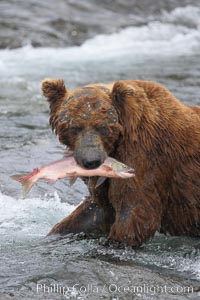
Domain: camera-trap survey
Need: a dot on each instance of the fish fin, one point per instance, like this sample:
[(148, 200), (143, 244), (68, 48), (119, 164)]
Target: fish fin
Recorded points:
[(72, 174), (26, 182), (106, 168), (72, 180), (100, 181), (51, 181)]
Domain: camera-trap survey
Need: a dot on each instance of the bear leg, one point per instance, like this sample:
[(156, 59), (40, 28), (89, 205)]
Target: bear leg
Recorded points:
[(138, 216), (88, 217)]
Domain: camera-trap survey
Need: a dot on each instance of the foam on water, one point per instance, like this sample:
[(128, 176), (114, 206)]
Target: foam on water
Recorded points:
[(187, 16), (172, 34), (176, 33), (30, 217), (192, 266)]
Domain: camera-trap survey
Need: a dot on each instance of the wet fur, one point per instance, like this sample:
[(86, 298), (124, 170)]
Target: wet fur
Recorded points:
[(151, 131)]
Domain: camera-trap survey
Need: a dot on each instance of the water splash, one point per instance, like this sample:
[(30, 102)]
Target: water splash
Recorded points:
[(167, 36), (31, 217)]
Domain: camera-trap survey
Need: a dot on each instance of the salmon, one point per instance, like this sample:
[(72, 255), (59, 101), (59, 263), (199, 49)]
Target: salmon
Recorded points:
[(68, 168)]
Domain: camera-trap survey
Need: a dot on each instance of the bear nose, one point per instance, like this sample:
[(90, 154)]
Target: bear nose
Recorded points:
[(91, 164)]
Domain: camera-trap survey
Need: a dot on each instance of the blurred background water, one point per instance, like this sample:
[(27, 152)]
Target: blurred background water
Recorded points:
[(82, 42)]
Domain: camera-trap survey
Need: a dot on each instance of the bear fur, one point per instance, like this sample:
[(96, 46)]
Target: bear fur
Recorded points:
[(143, 125)]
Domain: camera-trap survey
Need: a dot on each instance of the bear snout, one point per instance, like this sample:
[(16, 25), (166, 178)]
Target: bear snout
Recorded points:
[(91, 164), (89, 157), (89, 151)]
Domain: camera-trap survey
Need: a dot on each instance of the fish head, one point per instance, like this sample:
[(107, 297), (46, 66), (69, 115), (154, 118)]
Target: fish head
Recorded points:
[(123, 170), (127, 174), (86, 121)]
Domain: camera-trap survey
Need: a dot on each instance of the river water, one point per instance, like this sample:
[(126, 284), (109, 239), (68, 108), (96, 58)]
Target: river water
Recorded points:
[(159, 42)]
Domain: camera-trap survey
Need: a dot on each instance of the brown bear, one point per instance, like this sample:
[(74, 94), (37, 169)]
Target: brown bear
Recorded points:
[(143, 125)]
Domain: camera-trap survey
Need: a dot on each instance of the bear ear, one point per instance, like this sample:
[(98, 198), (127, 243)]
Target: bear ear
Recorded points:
[(127, 100), (121, 93), (53, 89)]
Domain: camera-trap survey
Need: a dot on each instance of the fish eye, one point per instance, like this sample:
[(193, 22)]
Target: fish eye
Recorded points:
[(125, 166)]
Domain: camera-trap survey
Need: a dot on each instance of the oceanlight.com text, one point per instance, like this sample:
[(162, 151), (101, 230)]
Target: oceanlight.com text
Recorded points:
[(112, 289)]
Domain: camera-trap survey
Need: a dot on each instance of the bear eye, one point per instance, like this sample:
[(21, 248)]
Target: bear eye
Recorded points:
[(74, 129)]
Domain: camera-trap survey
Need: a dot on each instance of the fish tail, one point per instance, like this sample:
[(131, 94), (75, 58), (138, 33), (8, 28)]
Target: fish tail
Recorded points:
[(27, 181)]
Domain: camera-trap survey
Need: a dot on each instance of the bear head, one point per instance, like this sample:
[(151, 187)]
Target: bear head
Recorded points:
[(87, 120)]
